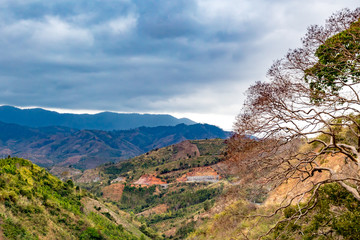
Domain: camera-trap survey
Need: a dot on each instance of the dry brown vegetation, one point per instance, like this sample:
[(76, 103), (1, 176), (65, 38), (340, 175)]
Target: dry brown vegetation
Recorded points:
[(311, 99), (113, 192)]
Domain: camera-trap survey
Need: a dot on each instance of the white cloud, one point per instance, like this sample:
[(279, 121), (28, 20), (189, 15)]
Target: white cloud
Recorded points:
[(123, 25), (56, 31), (234, 11), (191, 58), (50, 31)]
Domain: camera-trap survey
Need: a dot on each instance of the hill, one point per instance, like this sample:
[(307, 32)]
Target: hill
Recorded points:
[(36, 205), (39, 117), (169, 163), (84, 149), (168, 189), (313, 207), (333, 213)]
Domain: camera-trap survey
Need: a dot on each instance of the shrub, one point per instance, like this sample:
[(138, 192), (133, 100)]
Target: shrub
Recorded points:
[(91, 234), (336, 214), (14, 230)]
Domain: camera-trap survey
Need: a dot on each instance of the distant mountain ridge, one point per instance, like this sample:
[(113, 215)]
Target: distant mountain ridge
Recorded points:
[(38, 117), (64, 146)]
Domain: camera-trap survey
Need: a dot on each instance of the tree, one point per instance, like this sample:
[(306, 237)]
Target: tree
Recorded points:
[(307, 113)]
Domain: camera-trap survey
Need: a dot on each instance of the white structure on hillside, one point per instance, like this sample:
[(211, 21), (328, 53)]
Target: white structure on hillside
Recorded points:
[(210, 178)]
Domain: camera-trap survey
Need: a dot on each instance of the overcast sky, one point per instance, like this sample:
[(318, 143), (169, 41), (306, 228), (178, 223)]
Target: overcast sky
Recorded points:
[(189, 58)]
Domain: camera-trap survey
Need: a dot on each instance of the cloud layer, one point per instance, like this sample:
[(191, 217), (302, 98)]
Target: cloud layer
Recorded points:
[(186, 57)]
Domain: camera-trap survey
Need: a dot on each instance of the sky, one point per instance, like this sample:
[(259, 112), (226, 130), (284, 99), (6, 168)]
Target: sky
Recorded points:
[(188, 58)]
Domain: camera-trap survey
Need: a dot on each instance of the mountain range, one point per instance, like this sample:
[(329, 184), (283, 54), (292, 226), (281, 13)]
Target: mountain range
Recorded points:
[(48, 146), (38, 117)]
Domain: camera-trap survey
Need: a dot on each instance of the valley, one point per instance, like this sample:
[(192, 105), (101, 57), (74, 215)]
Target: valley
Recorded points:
[(163, 194), (195, 189), (167, 189)]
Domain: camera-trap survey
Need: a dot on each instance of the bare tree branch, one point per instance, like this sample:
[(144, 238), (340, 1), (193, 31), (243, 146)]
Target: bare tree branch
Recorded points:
[(307, 112)]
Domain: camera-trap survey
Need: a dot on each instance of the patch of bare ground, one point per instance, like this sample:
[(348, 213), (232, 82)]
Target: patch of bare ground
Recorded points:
[(185, 150), (113, 192), (162, 208), (170, 232), (89, 176), (294, 187), (148, 180)]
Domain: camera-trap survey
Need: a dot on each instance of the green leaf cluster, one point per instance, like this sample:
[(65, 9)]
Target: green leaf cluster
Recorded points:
[(336, 216), (338, 63)]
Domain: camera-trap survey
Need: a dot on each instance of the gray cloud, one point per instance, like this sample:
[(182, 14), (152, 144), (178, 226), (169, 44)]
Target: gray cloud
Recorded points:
[(184, 56)]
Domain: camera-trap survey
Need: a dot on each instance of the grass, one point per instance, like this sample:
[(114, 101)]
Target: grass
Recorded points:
[(234, 223), (36, 205)]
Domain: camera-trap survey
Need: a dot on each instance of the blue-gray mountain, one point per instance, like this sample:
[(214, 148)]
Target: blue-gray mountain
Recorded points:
[(38, 117), (64, 146)]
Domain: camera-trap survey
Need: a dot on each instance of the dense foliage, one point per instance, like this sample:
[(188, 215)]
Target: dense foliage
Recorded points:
[(336, 215), (139, 199)]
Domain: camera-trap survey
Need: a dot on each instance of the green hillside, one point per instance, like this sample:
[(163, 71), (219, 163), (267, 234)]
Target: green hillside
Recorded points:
[(172, 211), (170, 162), (37, 205)]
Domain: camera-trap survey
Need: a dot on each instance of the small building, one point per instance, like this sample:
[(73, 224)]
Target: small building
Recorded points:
[(211, 178), (200, 174)]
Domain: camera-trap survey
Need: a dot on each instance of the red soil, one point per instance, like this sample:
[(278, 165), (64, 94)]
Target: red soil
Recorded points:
[(113, 191), (162, 208), (148, 180), (185, 150)]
